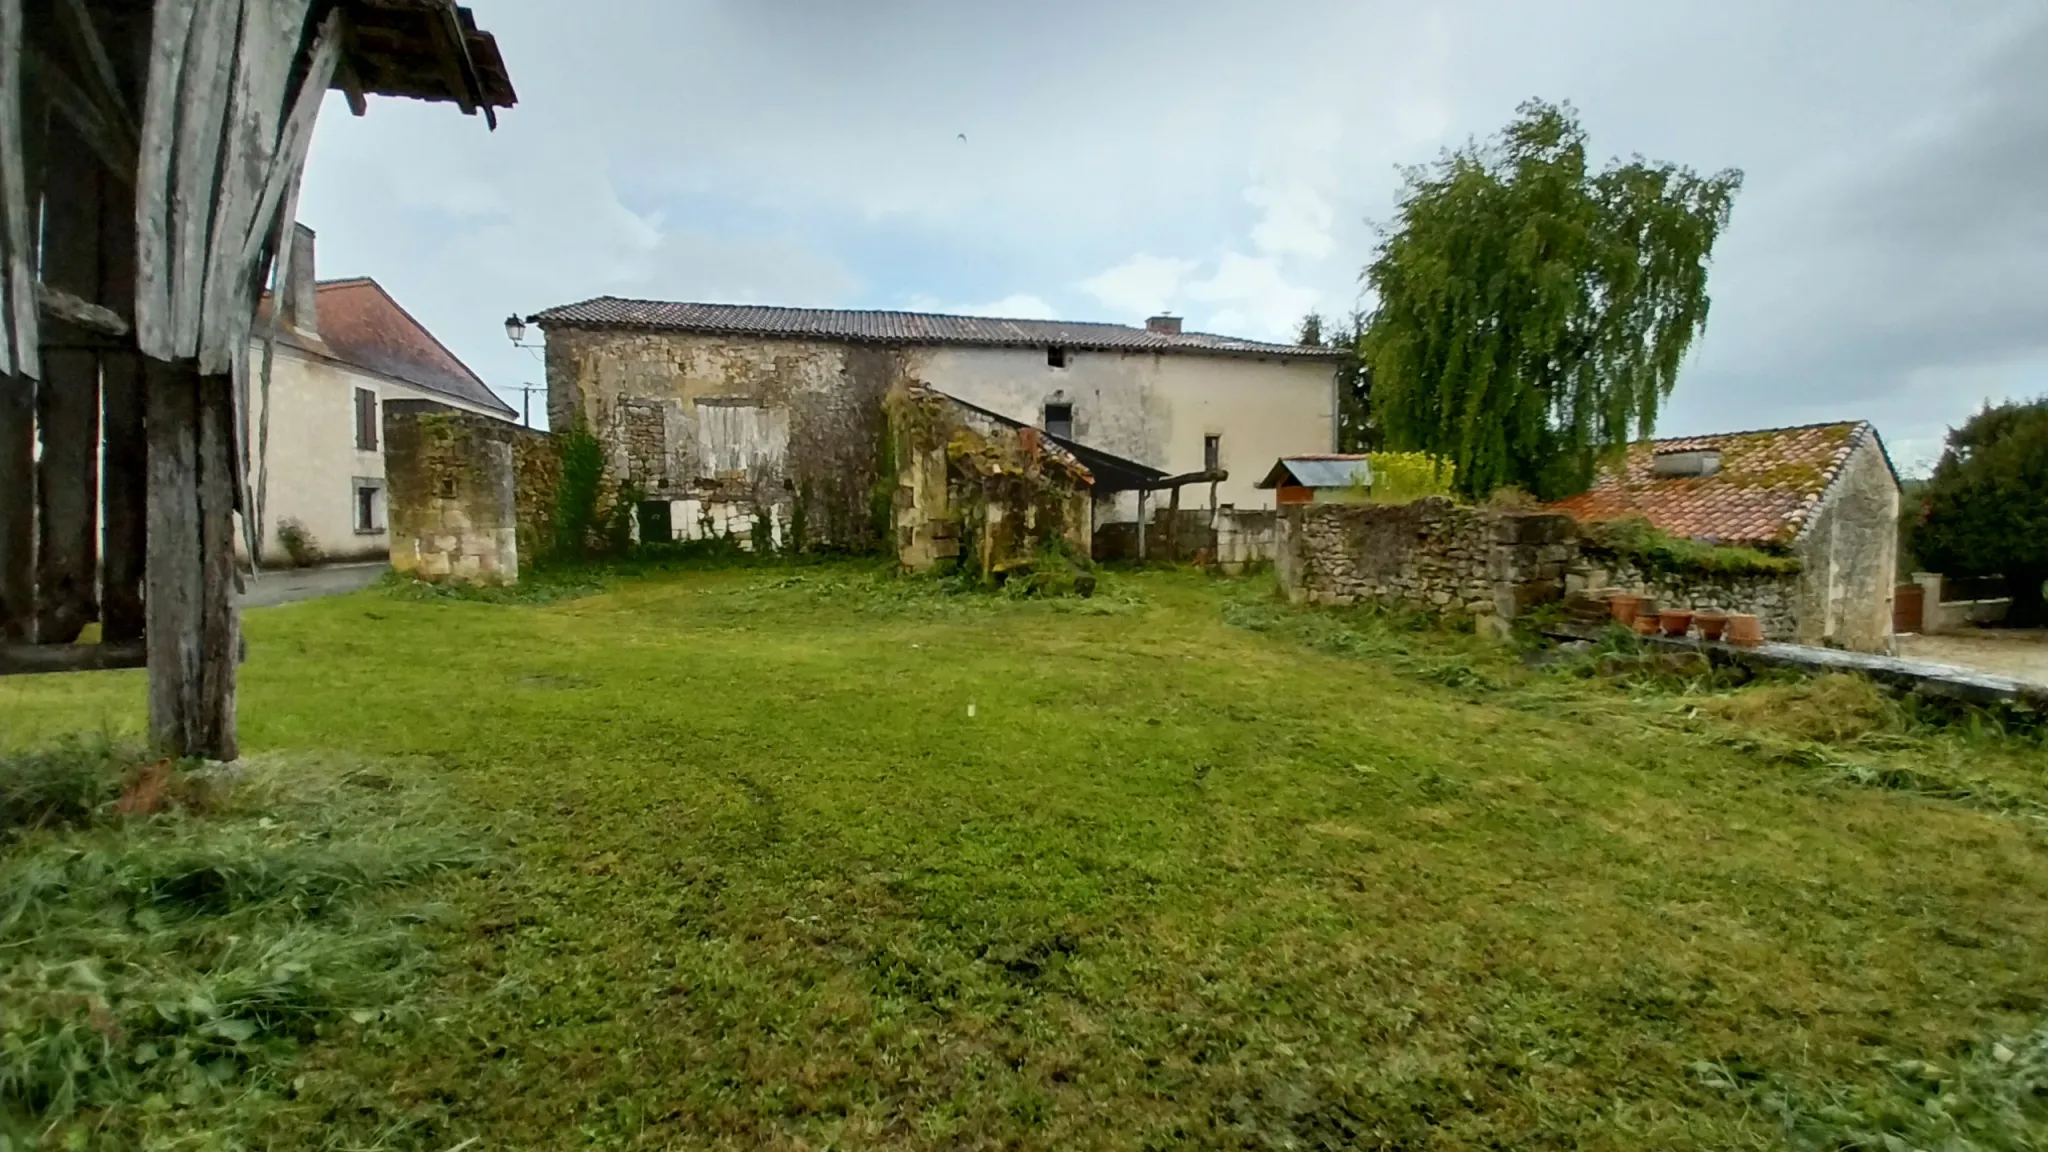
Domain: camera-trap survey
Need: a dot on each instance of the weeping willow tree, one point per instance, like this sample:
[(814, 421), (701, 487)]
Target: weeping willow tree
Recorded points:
[(1533, 313)]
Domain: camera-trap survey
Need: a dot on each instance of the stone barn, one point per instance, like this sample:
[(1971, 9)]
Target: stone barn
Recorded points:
[(717, 410)]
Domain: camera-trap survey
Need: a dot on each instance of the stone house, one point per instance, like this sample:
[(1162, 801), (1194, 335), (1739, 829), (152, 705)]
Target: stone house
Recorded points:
[(1825, 494), (345, 350), (716, 411)]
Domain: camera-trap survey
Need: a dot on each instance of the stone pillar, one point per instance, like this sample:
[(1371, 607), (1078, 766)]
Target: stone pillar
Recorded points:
[(453, 506)]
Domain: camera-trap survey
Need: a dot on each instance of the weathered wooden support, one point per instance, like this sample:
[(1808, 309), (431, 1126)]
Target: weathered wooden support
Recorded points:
[(192, 623), (1173, 526), (17, 508), (68, 401), (38, 659), (19, 353), (123, 404)]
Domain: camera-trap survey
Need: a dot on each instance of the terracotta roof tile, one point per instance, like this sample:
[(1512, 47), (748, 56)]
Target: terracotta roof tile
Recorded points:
[(1769, 484), (361, 325), (901, 328)]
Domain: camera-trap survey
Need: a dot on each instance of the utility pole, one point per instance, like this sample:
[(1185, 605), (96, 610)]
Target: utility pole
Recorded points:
[(526, 392)]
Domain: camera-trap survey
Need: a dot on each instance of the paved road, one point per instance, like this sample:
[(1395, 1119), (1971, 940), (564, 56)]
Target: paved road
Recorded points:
[(283, 587), (2021, 653)]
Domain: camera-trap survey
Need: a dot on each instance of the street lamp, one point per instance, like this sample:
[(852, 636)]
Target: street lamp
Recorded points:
[(515, 328)]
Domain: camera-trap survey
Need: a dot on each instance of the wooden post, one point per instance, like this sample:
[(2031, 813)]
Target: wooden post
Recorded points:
[(1173, 527), (125, 457), (192, 623), (1141, 525), (68, 403)]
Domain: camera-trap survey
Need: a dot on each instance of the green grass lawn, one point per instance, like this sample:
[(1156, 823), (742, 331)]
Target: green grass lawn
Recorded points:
[(814, 859)]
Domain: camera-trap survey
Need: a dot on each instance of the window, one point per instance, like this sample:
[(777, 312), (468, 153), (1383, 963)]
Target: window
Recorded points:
[(369, 508), (366, 420), (740, 439), (1059, 420), (1212, 453), (1056, 357)]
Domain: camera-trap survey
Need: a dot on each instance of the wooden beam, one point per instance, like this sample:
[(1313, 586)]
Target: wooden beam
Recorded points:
[(19, 353), (62, 306), (17, 507), (35, 659), (68, 402), (1173, 527), (124, 487), (192, 625)]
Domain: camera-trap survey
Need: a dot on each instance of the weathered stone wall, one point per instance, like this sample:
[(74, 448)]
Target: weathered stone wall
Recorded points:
[(1431, 556), (1848, 553), (452, 497), (536, 481), (1773, 600), (977, 489), (1490, 565), (724, 427)]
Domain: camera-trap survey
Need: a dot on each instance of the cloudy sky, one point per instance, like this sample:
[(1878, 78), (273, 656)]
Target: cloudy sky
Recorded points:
[(1103, 159)]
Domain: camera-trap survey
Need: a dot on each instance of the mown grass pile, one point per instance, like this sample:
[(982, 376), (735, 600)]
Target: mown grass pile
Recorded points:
[(170, 939), (813, 857)]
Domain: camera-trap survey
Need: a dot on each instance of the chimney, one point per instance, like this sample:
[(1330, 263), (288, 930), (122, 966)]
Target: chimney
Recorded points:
[(296, 307), (1164, 325)]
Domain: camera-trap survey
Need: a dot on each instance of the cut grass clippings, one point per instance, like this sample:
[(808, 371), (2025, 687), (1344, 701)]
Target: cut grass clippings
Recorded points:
[(162, 970), (805, 858)]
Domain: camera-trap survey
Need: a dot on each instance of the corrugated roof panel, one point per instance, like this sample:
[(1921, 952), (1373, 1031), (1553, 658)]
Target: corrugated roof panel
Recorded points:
[(1324, 473)]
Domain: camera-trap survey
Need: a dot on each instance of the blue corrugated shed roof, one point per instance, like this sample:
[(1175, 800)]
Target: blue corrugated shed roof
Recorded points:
[(1324, 471)]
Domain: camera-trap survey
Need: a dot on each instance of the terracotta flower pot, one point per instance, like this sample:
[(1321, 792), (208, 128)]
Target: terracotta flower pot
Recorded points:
[(1624, 606), (1677, 622), (1746, 630), (1711, 624), (1645, 625)]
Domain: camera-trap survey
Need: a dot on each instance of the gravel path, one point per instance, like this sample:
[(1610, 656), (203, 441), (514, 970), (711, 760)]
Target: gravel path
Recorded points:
[(2021, 653)]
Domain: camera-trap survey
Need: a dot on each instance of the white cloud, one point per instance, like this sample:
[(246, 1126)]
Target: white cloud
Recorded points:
[(1141, 286), (1296, 222), (1255, 296), (1015, 306)]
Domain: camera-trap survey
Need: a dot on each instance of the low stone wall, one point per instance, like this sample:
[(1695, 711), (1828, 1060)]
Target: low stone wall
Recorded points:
[(1772, 600), (1432, 556), (452, 498), (1489, 565)]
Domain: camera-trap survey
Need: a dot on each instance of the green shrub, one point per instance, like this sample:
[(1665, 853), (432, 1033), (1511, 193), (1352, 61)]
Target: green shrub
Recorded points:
[(579, 494), (1405, 477), (299, 545)]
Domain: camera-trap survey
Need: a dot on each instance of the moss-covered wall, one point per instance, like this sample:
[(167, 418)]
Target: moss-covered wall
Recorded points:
[(451, 495), (993, 495), (722, 426)]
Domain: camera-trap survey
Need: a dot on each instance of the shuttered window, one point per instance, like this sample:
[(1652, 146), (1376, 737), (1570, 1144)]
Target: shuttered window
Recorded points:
[(366, 420), (740, 440)]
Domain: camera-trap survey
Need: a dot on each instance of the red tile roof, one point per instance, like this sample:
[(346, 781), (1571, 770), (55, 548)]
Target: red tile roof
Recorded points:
[(901, 328), (1768, 487), (361, 325)]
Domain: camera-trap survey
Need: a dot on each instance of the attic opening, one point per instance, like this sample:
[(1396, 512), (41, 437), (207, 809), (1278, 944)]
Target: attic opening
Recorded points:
[(1056, 357), (1059, 420), (1686, 462)]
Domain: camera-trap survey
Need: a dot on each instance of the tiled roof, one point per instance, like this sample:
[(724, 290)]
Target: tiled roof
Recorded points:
[(361, 325), (900, 328), (1769, 485)]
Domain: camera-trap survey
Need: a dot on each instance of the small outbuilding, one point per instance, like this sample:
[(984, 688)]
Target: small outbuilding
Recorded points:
[(1825, 494), (1320, 479)]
